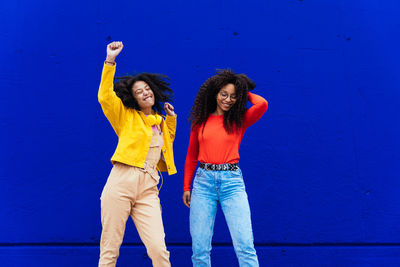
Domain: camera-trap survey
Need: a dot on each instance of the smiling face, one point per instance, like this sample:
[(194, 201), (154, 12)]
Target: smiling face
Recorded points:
[(143, 94), (226, 98)]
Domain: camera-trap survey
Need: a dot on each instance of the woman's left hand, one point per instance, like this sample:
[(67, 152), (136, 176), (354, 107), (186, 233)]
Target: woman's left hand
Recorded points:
[(169, 109)]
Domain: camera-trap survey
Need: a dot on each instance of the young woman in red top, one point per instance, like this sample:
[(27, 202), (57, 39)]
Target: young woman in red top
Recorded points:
[(219, 119)]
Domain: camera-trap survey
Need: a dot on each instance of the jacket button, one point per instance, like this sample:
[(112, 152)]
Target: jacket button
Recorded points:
[(169, 167), (165, 150)]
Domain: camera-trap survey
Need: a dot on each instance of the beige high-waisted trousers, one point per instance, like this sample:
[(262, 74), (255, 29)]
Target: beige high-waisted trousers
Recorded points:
[(133, 191)]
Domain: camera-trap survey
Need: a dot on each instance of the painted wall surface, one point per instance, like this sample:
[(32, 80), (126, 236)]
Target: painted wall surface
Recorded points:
[(321, 168)]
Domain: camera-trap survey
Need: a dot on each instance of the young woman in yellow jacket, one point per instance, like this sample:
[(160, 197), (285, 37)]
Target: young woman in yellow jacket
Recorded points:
[(144, 145)]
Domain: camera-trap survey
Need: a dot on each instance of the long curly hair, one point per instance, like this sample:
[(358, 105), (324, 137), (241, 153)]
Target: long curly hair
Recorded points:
[(206, 99), (157, 82)]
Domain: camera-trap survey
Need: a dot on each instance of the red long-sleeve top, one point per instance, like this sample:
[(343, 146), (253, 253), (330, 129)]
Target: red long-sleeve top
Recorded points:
[(215, 145)]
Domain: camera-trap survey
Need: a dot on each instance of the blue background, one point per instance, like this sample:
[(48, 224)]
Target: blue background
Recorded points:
[(322, 166)]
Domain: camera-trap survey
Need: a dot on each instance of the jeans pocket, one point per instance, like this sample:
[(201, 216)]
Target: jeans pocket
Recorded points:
[(236, 174), (233, 180), (196, 179), (201, 180), (198, 172)]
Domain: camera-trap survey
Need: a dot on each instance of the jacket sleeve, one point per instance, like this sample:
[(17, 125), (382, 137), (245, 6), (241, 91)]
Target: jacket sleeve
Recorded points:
[(110, 103), (171, 125)]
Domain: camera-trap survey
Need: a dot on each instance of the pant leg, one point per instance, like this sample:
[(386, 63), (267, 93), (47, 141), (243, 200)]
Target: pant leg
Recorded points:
[(235, 205), (146, 214), (115, 209), (203, 209)]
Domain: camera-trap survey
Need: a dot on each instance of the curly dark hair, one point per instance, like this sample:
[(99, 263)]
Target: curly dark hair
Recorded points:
[(206, 102), (157, 83)]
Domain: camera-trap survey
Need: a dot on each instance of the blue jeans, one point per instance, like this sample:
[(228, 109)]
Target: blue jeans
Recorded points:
[(227, 188)]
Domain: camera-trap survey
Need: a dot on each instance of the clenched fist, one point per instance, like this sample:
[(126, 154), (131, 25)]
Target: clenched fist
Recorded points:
[(113, 50), (169, 109)]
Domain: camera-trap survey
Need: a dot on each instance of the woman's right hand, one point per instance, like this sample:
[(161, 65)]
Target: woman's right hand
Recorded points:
[(186, 198), (113, 50)]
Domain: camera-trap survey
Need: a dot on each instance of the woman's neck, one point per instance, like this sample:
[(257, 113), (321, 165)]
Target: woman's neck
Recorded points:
[(146, 111), (218, 112)]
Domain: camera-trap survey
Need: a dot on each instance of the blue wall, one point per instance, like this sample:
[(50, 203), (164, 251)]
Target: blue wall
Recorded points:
[(322, 167)]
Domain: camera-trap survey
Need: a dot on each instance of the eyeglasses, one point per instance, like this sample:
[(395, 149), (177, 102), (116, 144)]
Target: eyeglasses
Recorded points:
[(224, 95)]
